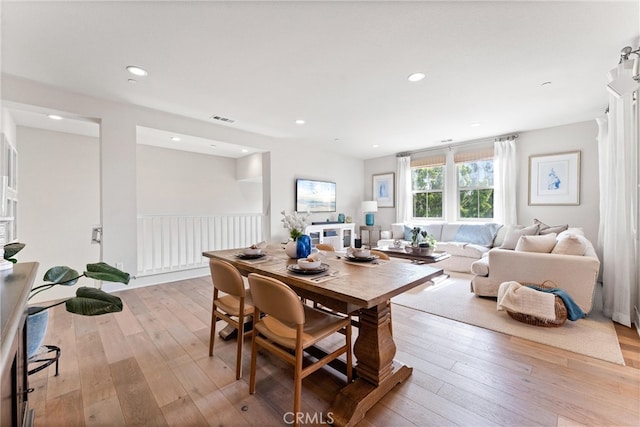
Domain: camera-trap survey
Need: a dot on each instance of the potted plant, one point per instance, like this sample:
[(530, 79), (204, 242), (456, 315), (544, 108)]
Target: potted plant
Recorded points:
[(87, 302), (428, 243)]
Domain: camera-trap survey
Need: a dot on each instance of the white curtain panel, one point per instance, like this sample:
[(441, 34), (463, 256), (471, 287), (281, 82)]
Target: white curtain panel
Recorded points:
[(617, 145), (504, 189), (404, 212)]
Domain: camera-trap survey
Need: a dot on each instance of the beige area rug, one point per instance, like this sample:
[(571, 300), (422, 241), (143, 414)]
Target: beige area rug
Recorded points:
[(594, 336)]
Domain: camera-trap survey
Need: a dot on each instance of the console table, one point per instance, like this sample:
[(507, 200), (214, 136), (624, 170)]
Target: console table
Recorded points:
[(373, 234), (339, 235), (15, 285)]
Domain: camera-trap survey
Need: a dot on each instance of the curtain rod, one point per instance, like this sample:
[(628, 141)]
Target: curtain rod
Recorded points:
[(461, 143)]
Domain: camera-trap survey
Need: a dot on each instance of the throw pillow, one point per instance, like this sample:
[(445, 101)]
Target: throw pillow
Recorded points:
[(570, 244), (543, 243), (407, 233), (512, 236), (548, 229), (398, 231)]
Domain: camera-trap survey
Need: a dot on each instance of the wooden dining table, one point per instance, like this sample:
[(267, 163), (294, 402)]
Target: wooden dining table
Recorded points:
[(361, 288)]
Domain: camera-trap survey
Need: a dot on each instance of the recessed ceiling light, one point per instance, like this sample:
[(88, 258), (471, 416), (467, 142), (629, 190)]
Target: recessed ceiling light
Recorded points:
[(300, 122), (416, 77), (546, 84), (336, 140), (475, 125), (132, 81), (137, 71), (175, 138), (244, 150), (54, 117), (375, 146), (446, 140), (212, 145)]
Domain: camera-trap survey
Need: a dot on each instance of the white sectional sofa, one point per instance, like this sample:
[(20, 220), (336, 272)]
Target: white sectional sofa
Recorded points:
[(568, 259), (465, 242)]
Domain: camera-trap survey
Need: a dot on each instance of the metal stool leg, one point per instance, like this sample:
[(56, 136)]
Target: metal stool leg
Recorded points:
[(48, 361)]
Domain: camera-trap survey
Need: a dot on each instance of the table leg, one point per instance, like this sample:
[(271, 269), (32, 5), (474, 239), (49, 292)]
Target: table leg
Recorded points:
[(377, 372)]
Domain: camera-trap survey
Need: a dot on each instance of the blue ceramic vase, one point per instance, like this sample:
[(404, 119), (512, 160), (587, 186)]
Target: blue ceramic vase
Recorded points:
[(303, 246)]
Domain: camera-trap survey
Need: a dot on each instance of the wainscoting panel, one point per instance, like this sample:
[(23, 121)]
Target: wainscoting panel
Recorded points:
[(168, 243)]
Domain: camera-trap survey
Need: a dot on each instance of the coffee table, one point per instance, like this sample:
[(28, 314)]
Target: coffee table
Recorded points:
[(415, 258)]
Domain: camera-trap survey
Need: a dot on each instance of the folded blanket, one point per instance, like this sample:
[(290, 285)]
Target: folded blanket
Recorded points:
[(514, 297), (574, 312)]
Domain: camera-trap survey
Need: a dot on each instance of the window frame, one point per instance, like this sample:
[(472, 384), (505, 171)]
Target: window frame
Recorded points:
[(460, 189), (442, 192)]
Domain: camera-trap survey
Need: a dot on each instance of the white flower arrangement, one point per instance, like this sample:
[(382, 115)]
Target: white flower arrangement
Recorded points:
[(295, 223)]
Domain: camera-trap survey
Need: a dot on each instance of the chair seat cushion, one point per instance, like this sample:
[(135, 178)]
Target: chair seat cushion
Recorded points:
[(318, 325), (230, 304)]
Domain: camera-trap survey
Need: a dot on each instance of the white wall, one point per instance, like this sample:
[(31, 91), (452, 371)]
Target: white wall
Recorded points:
[(385, 216), (573, 137), (576, 136), (173, 182), (59, 202), (289, 162)]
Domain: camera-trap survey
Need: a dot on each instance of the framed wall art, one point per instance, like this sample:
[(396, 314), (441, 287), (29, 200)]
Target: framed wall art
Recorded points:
[(554, 179), (384, 190)]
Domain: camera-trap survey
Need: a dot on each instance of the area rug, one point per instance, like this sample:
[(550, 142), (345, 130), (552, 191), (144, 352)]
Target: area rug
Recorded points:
[(594, 336)]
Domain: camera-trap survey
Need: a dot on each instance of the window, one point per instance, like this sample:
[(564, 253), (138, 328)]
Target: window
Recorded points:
[(427, 187), (475, 189)]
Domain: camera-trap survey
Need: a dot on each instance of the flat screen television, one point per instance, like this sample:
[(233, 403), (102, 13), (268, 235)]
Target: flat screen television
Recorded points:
[(315, 196)]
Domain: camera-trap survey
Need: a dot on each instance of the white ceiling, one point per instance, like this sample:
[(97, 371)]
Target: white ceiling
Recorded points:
[(340, 66)]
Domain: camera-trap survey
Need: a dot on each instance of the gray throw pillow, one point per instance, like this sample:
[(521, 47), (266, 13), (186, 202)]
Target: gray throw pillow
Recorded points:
[(512, 237), (548, 229)]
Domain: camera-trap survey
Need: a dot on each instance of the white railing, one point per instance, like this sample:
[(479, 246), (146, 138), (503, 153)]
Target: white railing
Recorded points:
[(168, 243)]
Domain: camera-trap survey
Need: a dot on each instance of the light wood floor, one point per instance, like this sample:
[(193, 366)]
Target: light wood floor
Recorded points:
[(149, 365)]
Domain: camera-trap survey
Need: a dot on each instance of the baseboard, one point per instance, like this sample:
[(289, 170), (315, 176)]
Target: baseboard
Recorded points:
[(637, 320)]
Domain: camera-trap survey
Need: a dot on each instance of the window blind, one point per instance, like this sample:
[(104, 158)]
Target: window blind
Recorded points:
[(472, 156), (429, 161)]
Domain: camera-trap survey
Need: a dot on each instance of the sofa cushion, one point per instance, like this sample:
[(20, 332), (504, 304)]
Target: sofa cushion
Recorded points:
[(467, 250), (397, 230), (570, 244), (434, 230), (479, 234), (548, 229), (543, 243), (512, 236), (502, 232), (579, 231)]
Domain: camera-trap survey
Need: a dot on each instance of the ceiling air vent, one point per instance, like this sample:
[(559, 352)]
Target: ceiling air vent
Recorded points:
[(223, 119)]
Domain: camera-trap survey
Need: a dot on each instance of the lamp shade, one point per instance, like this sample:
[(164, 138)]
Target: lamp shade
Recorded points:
[(370, 206)]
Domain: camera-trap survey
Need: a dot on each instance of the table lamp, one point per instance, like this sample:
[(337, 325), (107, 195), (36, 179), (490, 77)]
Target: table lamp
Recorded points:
[(368, 207)]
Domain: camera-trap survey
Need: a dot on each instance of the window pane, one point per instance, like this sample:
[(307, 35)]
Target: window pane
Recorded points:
[(476, 203), (419, 179), (485, 203), (436, 177), (420, 205), (469, 204), (434, 205), (427, 178), (475, 174)]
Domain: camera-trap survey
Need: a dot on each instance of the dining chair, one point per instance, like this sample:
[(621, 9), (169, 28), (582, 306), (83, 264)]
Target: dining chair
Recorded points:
[(325, 247), (380, 255), (233, 308), (286, 324)]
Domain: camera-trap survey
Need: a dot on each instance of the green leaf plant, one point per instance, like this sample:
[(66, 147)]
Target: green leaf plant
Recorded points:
[(88, 301)]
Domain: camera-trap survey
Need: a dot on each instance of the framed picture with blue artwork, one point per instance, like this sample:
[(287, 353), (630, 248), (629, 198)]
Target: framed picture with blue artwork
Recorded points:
[(384, 189), (554, 179)]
